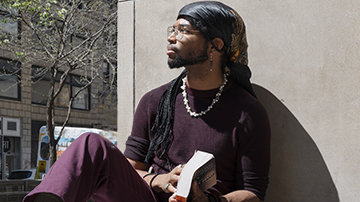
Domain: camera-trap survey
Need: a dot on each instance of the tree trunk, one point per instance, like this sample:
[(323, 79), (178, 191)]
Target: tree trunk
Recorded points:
[(50, 131), (50, 119), (52, 150)]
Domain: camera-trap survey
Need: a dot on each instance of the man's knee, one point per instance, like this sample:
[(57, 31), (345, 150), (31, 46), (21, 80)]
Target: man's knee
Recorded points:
[(90, 138)]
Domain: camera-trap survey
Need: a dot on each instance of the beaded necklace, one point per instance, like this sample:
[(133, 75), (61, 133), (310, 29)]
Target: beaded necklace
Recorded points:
[(215, 100)]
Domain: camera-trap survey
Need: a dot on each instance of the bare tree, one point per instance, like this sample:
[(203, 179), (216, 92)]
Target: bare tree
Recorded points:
[(67, 37)]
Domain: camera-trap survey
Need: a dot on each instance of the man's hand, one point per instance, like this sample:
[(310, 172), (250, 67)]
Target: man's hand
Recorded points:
[(196, 195), (167, 182), (164, 182)]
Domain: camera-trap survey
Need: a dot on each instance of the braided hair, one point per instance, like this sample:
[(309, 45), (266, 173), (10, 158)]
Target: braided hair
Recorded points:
[(162, 130)]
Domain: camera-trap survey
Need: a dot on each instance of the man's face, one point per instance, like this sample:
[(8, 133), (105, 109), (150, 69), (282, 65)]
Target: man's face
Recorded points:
[(189, 49)]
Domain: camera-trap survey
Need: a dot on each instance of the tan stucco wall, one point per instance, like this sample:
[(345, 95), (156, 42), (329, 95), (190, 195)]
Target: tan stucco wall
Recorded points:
[(304, 56)]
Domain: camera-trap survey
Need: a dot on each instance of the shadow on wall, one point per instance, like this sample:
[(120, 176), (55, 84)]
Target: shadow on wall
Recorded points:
[(298, 171)]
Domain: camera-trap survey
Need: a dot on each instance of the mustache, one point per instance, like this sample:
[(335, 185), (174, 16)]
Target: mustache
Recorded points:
[(172, 47)]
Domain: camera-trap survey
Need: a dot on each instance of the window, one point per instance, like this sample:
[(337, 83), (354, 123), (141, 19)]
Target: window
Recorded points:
[(109, 74), (9, 27), (41, 87), (108, 88), (81, 101), (76, 40), (9, 79)]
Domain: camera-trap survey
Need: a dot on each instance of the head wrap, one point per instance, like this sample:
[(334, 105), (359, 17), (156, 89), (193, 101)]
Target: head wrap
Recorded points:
[(223, 22)]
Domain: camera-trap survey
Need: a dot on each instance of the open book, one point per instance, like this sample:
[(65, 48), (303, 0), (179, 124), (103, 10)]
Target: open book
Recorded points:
[(200, 167)]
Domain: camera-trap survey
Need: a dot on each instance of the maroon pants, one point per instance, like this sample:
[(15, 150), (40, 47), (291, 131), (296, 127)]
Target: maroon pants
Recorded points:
[(93, 167)]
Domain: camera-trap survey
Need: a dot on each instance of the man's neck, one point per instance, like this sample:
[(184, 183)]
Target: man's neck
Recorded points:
[(201, 78)]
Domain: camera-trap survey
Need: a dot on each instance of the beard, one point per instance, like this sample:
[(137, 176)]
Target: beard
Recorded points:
[(193, 57)]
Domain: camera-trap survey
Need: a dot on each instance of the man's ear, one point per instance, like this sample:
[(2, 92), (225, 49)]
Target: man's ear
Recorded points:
[(218, 43)]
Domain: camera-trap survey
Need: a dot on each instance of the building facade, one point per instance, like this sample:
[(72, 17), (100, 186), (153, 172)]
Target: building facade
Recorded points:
[(22, 116), (23, 96)]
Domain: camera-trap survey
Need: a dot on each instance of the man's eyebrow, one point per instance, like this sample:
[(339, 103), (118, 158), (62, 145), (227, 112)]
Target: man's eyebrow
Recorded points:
[(184, 25)]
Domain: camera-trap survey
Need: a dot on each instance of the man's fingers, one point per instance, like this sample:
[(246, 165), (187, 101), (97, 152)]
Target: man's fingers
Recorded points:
[(197, 194), (177, 170), (172, 198), (169, 188)]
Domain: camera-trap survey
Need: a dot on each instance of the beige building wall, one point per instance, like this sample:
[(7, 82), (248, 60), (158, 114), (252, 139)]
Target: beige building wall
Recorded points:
[(305, 59)]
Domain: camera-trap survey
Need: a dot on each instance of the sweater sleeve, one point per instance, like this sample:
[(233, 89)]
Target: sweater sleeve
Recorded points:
[(138, 142), (254, 151)]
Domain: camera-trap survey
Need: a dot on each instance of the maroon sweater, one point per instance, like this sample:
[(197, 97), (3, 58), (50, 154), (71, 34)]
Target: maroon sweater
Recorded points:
[(236, 131)]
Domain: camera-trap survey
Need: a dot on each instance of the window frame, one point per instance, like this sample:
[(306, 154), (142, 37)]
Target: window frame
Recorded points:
[(70, 81), (7, 70)]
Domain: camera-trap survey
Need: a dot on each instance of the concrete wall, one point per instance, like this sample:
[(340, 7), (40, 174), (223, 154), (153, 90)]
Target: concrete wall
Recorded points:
[(304, 56)]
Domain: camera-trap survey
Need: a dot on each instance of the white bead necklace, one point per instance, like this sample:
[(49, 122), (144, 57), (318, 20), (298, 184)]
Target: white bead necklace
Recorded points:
[(215, 100)]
